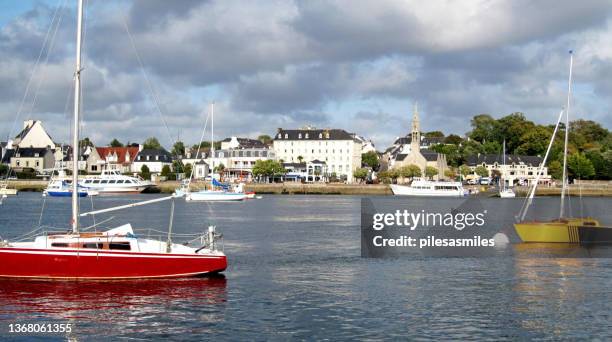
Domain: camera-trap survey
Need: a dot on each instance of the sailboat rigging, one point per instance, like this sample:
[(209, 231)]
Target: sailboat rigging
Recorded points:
[(566, 228)]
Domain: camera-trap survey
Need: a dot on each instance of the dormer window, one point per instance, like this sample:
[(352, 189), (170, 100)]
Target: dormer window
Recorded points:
[(300, 136), (286, 136), (36, 154), (148, 157), (280, 135), (306, 136), (320, 135), (156, 157)]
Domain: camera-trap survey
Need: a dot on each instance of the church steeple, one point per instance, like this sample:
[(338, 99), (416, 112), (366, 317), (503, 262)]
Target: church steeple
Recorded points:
[(416, 130)]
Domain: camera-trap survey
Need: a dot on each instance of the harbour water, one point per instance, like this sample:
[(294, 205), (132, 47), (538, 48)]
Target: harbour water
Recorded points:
[(295, 271)]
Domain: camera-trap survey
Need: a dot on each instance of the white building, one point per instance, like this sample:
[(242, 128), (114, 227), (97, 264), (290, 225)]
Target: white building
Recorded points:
[(33, 135), (518, 169), (340, 150), (154, 159)]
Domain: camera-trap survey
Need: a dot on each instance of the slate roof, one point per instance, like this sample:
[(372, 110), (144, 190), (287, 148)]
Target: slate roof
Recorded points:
[(156, 155), (247, 143), (490, 159), (314, 134), (428, 154)]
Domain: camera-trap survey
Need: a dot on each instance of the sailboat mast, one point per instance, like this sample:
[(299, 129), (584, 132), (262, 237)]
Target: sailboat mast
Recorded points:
[(503, 166), (567, 110), (212, 141), (75, 130)]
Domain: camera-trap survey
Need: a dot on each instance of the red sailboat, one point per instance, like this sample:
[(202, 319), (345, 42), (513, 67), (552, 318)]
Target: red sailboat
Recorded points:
[(118, 253)]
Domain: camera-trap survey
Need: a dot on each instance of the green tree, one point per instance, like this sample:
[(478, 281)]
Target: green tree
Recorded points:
[(166, 171), (453, 139), (268, 168), (450, 174), (555, 169), (482, 171), (219, 168), (483, 128), (534, 142), (434, 134), (361, 174), (187, 169), (178, 149), (300, 159), (151, 143), (116, 143), (86, 142), (145, 172), (580, 166), (264, 138), (464, 170), (410, 171), (430, 172), (370, 159)]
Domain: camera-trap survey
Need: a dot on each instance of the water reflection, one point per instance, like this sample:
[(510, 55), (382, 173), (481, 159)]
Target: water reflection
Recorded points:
[(100, 300)]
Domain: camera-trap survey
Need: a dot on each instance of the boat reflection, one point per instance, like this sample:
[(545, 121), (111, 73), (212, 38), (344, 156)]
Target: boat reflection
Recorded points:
[(560, 250), (102, 300)]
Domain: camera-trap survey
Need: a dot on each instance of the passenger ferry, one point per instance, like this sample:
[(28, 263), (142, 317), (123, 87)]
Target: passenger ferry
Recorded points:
[(419, 187), (112, 181)]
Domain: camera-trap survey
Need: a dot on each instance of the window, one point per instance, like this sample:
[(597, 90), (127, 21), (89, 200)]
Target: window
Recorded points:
[(94, 168), (300, 136), (286, 136), (156, 157), (17, 163), (93, 245), (27, 163), (320, 135), (148, 157), (280, 135), (59, 244), (96, 181), (124, 246), (37, 163), (306, 136), (104, 181)]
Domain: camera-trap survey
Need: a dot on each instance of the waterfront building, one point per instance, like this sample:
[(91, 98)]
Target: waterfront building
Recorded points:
[(112, 158), (38, 159), (200, 170), (154, 159), (518, 169), (33, 135), (340, 150), (400, 156)]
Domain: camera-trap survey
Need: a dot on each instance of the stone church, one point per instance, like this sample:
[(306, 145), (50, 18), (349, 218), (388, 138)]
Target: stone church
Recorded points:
[(418, 156)]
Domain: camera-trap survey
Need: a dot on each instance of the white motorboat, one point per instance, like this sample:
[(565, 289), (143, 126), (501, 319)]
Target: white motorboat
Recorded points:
[(214, 196), (419, 187), (112, 181), (503, 191)]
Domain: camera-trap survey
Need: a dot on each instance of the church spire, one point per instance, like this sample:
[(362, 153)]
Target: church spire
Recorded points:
[(416, 129)]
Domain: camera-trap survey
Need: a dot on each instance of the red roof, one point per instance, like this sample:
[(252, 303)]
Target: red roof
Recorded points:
[(120, 152)]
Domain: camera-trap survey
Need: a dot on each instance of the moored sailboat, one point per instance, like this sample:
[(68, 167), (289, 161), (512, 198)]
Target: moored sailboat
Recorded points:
[(564, 229), (118, 253)]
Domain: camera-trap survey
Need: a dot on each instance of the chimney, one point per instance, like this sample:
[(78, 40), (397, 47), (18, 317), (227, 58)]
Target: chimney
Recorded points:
[(28, 123)]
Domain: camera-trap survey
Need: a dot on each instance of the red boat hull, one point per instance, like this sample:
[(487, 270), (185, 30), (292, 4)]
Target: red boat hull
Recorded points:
[(79, 264)]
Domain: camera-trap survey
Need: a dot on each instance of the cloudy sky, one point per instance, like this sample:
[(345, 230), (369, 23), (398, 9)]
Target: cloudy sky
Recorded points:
[(357, 65)]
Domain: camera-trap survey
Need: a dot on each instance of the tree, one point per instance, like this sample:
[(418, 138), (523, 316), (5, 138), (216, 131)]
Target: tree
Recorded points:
[(219, 168), (483, 128), (453, 139), (151, 144), (410, 171), (165, 172), (450, 174), (116, 143), (434, 134), (145, 172), (430, 172), (264, 138), (534, 142), (178, 149), (555, 170), (86, 142), (464, 170), (268, 168), (603, 168), (482, 171), (300, 159), (361, 174), (580, 166), (370, 159), (187, 169)]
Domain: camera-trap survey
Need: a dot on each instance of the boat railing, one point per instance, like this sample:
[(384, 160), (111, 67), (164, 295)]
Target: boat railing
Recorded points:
[(186, 239)]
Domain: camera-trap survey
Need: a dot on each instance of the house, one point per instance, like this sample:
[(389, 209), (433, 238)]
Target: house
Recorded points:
[(111, 158), (154, 159), (423, 158), (518, 169), (200, 170), (340, 150), (40, 159), (63, 157), (238, 163), (33, 135)]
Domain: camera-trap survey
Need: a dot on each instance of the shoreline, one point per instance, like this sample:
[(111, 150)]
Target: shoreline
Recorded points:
[(340, 189)]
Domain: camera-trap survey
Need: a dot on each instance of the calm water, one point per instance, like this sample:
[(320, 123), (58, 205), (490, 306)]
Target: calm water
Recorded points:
[(295, 272)]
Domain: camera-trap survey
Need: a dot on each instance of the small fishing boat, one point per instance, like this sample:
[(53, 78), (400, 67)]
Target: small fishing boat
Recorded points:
[(61, 188)]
